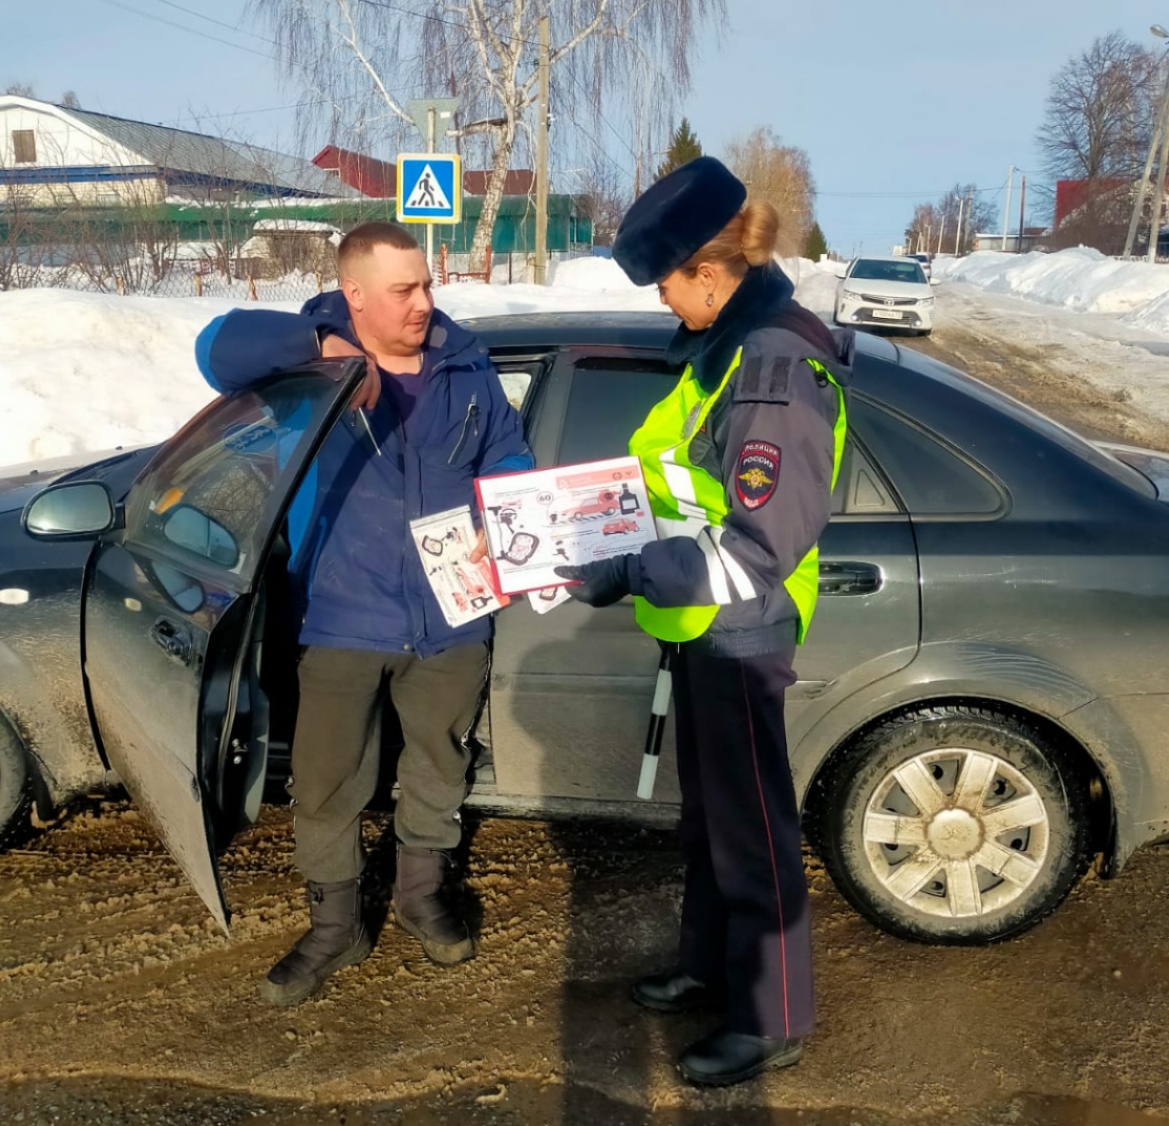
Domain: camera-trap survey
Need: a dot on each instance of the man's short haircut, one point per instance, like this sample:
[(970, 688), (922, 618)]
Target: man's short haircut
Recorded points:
[(361, 240)]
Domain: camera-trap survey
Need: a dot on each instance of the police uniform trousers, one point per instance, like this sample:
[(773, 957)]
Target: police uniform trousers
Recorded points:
[(745, 912)]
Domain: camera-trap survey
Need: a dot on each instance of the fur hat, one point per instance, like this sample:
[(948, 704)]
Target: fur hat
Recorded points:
[(675, 218)]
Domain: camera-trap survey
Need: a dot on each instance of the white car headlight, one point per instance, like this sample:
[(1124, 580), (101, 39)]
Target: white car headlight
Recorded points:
[(848, 295), (927, 301)]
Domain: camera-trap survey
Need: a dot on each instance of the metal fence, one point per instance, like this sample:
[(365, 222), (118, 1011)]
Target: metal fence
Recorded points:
[(245, 279)]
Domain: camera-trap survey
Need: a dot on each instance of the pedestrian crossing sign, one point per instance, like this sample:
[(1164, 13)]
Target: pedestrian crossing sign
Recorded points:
[(430, 188)]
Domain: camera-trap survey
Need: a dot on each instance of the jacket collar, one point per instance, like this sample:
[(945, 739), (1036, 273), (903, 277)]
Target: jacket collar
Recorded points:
[(762, 295), (447, 342)]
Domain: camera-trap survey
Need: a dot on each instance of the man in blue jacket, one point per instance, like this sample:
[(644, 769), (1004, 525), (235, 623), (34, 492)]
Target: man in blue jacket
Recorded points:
[(430, 417)]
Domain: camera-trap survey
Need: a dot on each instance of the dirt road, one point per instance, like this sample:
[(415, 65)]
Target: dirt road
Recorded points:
[(121, 1004)]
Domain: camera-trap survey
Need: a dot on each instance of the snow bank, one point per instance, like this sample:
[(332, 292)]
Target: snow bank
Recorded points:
[(86, 371), (1082, 280)]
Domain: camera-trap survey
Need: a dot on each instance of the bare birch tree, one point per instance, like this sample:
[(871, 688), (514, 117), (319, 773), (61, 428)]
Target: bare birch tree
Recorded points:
[(359, 61)]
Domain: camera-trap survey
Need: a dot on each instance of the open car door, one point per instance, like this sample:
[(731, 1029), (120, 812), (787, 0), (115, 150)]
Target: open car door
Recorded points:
[(174, 608)]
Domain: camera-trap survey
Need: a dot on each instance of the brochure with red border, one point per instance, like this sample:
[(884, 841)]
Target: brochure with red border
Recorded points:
[(545, 518)]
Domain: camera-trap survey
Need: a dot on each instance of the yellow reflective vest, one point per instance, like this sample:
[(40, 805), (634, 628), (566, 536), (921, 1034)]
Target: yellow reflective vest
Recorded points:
[(686, 500)]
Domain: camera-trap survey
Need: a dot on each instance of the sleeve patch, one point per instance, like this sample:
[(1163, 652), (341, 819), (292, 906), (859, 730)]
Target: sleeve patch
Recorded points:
[(757, 473), (757, 382)]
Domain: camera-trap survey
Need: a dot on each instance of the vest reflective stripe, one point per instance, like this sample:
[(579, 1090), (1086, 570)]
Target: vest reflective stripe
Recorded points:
[(744, 587), (687, 500)]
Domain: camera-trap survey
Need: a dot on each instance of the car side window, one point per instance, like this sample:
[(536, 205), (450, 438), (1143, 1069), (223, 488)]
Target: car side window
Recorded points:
[(214, 492), (932, 478), (608, 400), (517, 380), (860, 489)]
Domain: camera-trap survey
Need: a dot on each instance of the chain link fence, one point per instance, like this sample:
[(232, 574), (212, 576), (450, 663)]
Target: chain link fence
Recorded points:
[(243, 279)]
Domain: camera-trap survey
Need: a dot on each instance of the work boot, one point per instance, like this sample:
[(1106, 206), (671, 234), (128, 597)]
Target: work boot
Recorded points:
[(337, 937), (421, 907)]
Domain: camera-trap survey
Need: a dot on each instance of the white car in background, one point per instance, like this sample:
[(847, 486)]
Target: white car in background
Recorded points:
[(885, 292)]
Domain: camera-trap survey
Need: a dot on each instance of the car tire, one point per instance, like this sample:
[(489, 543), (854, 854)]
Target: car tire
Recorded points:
[(986, 809), (15, 788)]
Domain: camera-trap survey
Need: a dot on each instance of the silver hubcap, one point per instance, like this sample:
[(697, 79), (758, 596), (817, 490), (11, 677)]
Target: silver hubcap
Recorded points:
[(956, 833)]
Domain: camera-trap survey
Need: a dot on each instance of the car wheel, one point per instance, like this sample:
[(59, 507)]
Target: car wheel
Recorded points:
[(15, 788), (953, 825)]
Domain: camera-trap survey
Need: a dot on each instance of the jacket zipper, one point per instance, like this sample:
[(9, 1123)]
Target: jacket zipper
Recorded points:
[(471, 419)]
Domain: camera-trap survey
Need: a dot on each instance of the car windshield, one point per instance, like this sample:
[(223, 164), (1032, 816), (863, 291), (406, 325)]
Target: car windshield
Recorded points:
[(875, 269)]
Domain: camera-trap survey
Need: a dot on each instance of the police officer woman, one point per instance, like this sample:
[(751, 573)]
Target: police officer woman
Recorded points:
[(740, 461)]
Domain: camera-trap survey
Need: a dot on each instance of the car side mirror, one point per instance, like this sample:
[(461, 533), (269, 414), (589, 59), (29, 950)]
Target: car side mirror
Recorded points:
[(841, 273), (935, 281), (195, 531), (74, 509)]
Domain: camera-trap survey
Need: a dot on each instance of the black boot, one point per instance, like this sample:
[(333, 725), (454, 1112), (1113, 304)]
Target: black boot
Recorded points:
[(421, 909), (337, 937), (725, 1057), (675, 991)]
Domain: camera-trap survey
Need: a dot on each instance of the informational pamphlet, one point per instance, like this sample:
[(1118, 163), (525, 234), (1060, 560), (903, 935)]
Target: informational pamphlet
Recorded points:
[(463, 589), (547, 518)]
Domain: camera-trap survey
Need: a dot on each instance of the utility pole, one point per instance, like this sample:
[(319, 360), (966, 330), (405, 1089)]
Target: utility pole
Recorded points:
[(1158, 198), (941, 234), (1007, 208), (430, 226), (1022, 205), (1142, 188), (542, 157), (958, 236), (1138, 206)]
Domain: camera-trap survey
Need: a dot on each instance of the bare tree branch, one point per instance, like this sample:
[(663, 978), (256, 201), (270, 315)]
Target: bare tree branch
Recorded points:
[(483, 52)]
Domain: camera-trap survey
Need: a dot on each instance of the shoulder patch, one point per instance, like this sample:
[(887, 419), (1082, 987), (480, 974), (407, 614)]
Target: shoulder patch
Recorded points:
[(757, 473), (764, 380)]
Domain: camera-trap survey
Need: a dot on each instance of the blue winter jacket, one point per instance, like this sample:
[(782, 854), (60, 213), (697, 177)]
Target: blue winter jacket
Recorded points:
[(361, 581)]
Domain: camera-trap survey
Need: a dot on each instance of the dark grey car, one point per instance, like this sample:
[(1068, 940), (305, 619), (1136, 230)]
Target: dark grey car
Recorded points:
[(981, 704)]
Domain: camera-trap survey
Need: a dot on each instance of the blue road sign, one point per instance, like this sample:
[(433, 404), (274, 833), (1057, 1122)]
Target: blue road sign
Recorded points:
[(430, 188)]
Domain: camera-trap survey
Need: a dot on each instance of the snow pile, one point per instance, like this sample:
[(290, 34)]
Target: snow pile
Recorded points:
[(1082, 280), (86, 371)]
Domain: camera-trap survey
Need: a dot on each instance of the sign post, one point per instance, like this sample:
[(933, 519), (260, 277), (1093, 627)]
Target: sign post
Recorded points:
[(433, 118)]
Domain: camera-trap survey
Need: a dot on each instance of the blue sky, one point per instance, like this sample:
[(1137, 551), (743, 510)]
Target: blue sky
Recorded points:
[(893, 102)]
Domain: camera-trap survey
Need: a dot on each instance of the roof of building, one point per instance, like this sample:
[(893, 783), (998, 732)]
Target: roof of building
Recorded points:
[(365, 174), (520, 181), (181, 150)]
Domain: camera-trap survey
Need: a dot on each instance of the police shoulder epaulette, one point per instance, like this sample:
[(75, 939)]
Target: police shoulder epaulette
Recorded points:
[(764, 379)]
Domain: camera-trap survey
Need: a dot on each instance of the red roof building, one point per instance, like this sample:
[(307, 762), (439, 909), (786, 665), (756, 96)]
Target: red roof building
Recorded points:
[(379, 179), (371, 177), (520, 181), (1071, 195)]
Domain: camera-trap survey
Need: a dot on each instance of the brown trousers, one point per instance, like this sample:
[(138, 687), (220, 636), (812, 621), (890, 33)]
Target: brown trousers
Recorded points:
[(335, 756)]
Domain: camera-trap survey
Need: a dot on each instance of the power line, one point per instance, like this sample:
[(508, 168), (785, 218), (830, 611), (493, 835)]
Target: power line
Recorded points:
[(188, 30), (446, 23), (220, 23)]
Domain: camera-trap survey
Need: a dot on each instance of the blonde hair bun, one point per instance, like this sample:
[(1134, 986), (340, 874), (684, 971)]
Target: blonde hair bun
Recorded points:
[(760, 232)]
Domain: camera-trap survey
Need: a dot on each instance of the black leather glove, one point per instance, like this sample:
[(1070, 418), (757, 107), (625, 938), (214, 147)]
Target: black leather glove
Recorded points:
[(604, 582)]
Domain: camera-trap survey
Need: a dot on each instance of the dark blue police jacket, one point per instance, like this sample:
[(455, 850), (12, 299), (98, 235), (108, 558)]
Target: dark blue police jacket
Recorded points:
[(362, 582)]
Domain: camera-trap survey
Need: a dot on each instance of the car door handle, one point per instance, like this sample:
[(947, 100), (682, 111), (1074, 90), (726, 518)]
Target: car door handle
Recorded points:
[(173, 640), (850, 578)]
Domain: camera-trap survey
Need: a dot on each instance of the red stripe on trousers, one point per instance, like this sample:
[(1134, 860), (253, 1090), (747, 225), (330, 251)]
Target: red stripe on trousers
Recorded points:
[(770, 845)]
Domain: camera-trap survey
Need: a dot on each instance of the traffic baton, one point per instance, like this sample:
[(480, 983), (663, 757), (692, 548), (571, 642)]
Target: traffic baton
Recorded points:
[(657, 725)]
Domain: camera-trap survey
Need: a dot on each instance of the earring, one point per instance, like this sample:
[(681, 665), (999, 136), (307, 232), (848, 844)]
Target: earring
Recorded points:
[(710, 299)]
